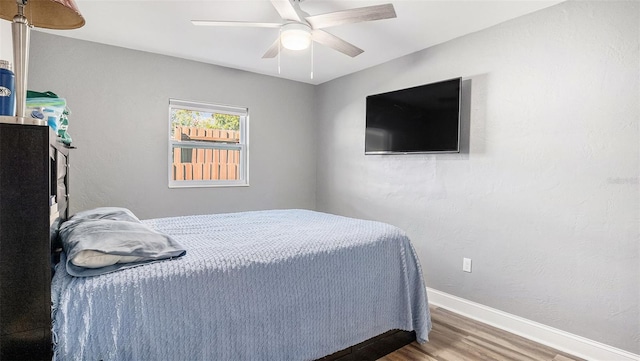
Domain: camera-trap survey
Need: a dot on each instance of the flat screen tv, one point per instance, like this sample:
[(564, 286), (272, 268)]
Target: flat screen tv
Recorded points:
[(422, 119)]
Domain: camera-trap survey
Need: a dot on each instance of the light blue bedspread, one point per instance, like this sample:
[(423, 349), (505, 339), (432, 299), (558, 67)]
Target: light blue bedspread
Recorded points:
[(264, 285)]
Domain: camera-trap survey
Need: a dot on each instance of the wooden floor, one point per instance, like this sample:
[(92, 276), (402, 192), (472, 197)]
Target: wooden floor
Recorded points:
[(457, 338)]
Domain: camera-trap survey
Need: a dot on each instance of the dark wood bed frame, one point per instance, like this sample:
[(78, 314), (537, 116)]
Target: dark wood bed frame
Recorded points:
[(374, 348), (32, 206), (33, 200)]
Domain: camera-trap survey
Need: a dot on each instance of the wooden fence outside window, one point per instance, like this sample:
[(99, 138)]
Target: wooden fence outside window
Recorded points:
[(205, 163)]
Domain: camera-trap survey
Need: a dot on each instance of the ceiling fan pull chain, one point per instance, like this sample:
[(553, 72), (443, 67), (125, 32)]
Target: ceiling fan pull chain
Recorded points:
[(312, 60), (279, 48)]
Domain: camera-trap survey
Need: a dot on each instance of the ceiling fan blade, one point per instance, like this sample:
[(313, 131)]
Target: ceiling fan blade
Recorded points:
[(273, 49), (286, 10), (335, 43), (368, 13), (235, 24)]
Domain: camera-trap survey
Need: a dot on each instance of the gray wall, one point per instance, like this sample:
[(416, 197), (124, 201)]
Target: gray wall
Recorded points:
[(119, 122), (544, 199)]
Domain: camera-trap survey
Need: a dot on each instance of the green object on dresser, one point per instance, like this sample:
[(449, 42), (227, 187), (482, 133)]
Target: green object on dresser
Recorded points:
[(63, 121)]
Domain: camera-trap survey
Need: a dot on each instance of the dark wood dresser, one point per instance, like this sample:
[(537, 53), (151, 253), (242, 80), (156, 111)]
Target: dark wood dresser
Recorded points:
[(33, 200)]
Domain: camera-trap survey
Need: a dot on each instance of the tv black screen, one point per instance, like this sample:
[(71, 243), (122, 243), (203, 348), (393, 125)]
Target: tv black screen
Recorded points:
[(422, 119)]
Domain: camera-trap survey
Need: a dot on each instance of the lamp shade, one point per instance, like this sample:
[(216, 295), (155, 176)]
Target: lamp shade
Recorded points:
[(48, 14)]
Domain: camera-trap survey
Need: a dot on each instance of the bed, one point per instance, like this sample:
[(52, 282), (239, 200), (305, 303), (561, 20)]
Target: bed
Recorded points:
[(261, 285)]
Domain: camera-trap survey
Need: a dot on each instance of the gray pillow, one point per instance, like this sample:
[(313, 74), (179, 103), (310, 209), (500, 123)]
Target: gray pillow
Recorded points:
[(96, 245), (115, 213)]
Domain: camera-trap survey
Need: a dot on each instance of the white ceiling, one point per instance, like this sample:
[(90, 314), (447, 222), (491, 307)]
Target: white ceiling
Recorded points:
[(164, 27)]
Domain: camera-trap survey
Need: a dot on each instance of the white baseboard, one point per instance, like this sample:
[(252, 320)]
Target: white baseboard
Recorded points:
[(558, 339)]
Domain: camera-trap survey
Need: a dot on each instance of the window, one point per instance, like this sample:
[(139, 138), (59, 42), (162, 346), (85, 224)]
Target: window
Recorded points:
[(207, 145)]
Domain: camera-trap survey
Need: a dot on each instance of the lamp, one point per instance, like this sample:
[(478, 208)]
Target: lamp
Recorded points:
[(49, 14), (295, 36)]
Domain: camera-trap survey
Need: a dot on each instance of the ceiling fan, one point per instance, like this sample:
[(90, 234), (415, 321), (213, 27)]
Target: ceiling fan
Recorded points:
[(298, 29)]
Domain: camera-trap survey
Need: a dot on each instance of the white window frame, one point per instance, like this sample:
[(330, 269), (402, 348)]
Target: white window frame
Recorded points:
[(243, 145)]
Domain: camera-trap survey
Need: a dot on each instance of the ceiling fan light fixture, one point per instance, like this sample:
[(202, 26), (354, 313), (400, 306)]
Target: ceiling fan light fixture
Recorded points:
[(295, 36)]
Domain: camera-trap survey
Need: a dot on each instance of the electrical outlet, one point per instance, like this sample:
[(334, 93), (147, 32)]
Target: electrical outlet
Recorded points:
[(466, 264)]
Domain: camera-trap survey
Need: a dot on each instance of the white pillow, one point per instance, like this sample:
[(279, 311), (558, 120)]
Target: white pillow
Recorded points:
[(97, 259)]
